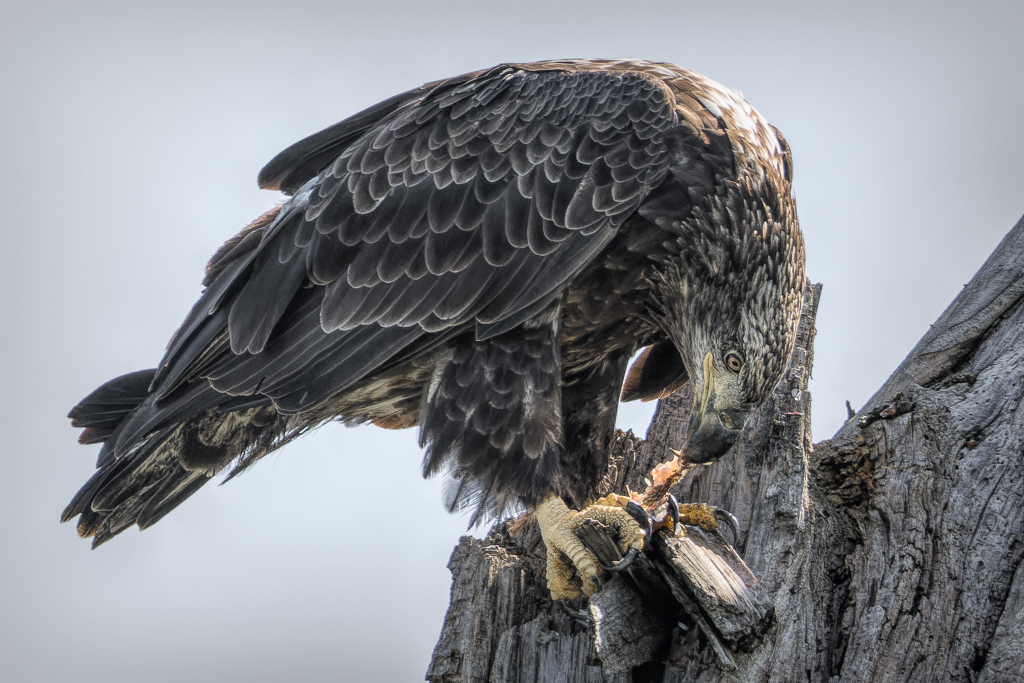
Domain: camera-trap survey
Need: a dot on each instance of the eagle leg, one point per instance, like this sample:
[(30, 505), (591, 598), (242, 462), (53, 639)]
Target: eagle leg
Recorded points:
[(558, 525), (699, 514), (663, 477)]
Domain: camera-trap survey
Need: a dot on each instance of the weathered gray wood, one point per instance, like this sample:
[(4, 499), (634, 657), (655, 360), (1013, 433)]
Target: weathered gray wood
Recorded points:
[(727, 592), (935, 491), (1005, 659), (892, 552), (695, 573), (487, 600), (626, 632)]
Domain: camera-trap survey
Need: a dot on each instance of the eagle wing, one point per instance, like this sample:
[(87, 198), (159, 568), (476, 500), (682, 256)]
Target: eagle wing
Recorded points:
[(472, 201)]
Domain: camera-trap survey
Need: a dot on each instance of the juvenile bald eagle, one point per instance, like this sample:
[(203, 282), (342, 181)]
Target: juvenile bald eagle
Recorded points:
[(479, 256)]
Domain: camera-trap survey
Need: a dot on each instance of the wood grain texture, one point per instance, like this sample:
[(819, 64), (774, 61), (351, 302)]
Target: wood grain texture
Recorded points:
[(891, 552), (726, 591), (938, 497)]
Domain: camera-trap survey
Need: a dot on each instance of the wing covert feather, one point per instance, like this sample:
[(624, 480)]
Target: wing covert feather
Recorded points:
[(473, 201)]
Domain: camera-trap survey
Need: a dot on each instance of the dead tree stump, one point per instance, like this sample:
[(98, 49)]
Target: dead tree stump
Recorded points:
[(891, 552)]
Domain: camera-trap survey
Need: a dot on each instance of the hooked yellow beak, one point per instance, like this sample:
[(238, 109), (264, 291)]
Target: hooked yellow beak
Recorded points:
[(717, 418)]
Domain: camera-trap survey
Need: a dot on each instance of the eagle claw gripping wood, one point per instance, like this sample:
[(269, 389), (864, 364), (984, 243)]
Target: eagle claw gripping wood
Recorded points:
[(643, 520), (558, 526), (649, 525)]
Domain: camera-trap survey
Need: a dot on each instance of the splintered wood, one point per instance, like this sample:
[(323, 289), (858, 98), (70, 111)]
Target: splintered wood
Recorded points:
[(694, 574), (726, 591)]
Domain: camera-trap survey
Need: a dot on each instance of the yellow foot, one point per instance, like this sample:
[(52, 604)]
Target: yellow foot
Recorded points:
[(707, 517), (558, 525), (700, 515)]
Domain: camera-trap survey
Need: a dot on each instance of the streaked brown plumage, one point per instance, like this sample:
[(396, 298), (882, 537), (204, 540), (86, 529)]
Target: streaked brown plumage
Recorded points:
[(479, 256)]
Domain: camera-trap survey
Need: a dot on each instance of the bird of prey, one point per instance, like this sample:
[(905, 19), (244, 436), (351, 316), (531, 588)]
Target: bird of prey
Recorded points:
[(481, 256)]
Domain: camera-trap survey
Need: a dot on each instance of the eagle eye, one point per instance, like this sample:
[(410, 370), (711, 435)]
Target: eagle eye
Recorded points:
[(734, 362)]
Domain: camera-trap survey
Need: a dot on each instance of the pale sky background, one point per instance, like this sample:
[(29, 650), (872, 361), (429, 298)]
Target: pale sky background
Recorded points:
[(130, 141)]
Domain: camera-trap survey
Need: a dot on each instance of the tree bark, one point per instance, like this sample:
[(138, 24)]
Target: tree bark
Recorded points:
[(891, 552)]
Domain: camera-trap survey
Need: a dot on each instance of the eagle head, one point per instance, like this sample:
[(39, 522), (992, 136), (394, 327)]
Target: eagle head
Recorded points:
[(731, 305)]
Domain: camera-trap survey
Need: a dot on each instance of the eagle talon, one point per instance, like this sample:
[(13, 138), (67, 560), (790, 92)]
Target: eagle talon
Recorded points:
[(731, 521), (566, 554), (622, 564), (642, 519), (673, 512), (670, 521), (578, 615)]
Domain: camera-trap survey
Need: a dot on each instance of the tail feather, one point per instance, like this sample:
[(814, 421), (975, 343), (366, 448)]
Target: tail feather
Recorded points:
[(147, 505), (90, 523), (81, 504), (147, 468), (139, 490), (171, 494), (158, 454), (104, 409)]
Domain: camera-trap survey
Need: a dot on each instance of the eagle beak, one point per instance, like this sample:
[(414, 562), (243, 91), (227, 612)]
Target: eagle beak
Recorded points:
[(717, 419)]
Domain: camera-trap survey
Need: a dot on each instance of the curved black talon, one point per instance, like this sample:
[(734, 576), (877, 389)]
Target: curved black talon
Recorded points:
[(730, 519), (624, 563), (673, 513), (642, 519), (579, 616)]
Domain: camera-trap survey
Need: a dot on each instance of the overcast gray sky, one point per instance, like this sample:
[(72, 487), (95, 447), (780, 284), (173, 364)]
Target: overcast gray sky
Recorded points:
[(131, 138)]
